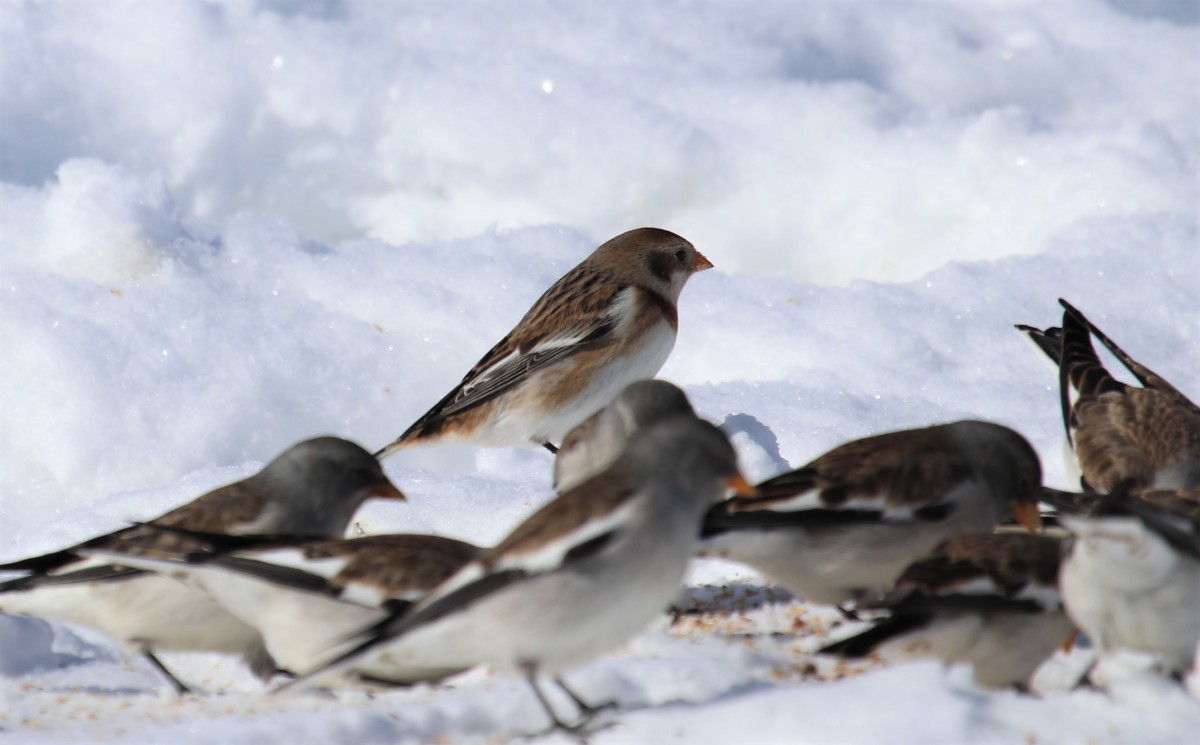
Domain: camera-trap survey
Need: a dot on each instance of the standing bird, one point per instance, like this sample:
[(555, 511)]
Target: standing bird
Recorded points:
[(1121, 434), (594, 444), (312, 489), (842, 528), (578, 578), (308, 597), (1131, 577), (606, 323), (989, 599)]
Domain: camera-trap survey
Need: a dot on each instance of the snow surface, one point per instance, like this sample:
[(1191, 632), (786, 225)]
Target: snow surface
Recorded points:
[(228, 226)]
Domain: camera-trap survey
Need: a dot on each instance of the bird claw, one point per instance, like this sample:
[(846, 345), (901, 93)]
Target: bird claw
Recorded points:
[(588, 712), (579, 731)]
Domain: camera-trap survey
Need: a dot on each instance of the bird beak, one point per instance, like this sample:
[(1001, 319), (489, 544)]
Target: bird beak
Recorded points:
[(701, 263), (1070, 642), (388, 490), (738, 484), (1027, 514)]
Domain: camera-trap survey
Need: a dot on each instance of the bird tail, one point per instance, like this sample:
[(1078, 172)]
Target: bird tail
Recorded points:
[(863, 644)]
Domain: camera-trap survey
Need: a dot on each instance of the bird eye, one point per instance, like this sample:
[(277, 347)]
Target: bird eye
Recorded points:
[(680, 255)]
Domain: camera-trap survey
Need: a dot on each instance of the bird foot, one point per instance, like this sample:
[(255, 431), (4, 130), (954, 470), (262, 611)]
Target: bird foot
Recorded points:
[(579, 731)]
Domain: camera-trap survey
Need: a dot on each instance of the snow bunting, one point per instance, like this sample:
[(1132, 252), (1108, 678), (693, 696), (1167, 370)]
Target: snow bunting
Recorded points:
[(608, 322), (990, 600), (313, 488), (593, 445), (308, 597), (844, 527), (1144, 437), (1131, 577), (575, 580)]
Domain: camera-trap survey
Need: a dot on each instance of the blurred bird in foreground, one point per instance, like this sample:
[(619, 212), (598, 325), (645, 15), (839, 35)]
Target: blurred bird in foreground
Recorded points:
[(312, 489)]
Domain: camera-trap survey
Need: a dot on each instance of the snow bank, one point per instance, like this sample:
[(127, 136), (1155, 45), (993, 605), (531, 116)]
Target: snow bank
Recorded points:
[(228, 226)]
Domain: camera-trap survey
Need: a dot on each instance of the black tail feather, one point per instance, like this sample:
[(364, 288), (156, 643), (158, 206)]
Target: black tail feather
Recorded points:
[(863, 644)]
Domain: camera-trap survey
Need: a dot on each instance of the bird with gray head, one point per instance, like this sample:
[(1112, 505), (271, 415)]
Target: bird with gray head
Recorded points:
[(578, 578), (596, 443), (842, 528), (307, 597), (312, 489)]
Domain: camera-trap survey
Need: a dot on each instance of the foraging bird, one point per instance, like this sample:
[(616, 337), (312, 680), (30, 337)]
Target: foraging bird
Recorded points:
[(990, 600), (579, 577), (606, 323), (1142, 437), (590, 447), (313, 489), (307, 597), (843, 528), (1131, 577)]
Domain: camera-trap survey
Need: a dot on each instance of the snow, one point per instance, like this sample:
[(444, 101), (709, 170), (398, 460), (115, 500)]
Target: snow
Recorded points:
[(228, 226)]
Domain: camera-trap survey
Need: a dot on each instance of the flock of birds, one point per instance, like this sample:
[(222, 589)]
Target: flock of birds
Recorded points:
[(920, 529)]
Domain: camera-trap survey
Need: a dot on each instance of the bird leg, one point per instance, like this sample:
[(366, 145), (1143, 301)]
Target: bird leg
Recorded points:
[(587, 710), (1085, 678), (531, 677), (179, 686)]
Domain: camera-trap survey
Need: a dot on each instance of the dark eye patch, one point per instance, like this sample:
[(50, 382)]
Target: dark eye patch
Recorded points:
[(661, 265)]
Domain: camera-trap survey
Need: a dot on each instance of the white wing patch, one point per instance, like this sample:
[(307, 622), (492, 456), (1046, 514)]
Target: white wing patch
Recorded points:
[(99, 557), (1046, 597), (487, 373), (623, 307), (545, 558), (549, 556), (621, 310), (977, 586), (294, 558), (805, 500), (366, 595), (811, 500)]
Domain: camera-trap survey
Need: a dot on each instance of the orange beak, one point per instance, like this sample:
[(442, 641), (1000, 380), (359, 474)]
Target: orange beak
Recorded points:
[(701, 263), (738, 484), (1027, 514), (1070, 642), (388, 490)]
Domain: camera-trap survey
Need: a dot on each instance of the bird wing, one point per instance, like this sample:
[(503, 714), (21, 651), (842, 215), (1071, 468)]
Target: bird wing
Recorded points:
[(898, 475), (575, 526), (581, 312)]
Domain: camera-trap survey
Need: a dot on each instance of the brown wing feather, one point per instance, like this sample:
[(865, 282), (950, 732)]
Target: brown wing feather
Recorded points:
[(1182, 503), (585, 293), (395, 564), (593, 499), (911, 467), (1121, 433), (1128, 436), (215, 512), (1009, 560)]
